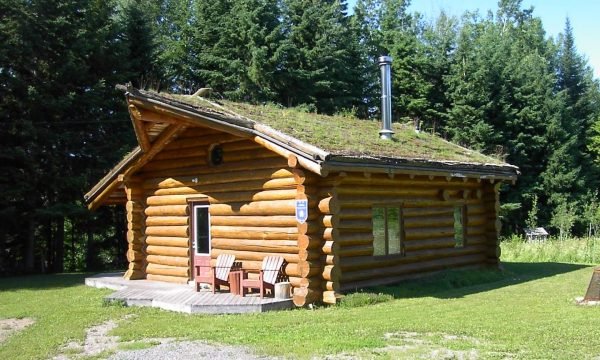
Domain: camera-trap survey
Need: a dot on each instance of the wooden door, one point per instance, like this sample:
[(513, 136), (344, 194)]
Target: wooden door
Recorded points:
[(200, 238)]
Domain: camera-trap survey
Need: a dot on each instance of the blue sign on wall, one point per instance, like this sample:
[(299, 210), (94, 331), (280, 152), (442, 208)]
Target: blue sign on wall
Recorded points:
[(301, 211)]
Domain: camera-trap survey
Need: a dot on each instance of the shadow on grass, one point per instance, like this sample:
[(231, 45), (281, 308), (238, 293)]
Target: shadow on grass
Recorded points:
[(459, 283), (42, 282)]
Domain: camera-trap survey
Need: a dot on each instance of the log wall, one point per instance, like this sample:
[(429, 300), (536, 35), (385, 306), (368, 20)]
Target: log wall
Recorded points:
[(428, 212), (136, 239), (252, 205)]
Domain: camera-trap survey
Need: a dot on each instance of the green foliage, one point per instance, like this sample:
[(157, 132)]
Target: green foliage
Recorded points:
[(563, 218), (358, 299), (569, 250)]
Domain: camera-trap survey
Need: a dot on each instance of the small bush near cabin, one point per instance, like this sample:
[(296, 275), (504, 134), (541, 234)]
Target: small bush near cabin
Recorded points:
[(358, 299)]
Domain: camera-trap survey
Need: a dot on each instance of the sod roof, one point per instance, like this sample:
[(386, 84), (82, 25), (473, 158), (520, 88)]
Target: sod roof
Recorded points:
[(342, 135)]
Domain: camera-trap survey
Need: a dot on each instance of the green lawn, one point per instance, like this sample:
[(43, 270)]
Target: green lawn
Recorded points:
[(528, 312)]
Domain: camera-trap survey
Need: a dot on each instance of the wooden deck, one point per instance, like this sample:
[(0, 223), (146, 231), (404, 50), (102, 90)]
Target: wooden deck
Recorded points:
[(182, 298)]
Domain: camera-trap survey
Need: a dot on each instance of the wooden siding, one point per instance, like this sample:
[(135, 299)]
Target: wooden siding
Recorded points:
[(252, 205), (428, 207)]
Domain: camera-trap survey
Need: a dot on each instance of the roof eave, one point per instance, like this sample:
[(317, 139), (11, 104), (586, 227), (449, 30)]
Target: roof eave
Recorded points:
[(501, 172)]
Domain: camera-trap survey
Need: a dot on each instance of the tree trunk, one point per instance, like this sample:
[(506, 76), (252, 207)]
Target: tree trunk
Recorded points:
[(59, 245), (29, 245)]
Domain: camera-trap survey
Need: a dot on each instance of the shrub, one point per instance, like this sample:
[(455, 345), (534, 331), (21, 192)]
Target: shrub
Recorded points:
[(358, 299)]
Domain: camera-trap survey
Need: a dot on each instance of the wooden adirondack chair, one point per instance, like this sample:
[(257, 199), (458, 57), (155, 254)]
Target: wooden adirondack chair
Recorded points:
[(219, 274), (268, 276)]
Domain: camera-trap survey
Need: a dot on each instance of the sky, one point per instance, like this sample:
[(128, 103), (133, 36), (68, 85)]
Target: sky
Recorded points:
[(584, 16)]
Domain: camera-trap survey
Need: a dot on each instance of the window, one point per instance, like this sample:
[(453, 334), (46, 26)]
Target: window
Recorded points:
[(460, 228), (215, 155), (388, 230)]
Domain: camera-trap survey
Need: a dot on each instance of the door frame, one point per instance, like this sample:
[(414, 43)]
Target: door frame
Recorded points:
[(194, 203)]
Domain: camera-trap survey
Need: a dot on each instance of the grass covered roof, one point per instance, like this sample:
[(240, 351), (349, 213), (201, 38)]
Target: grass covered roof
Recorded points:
[(343, 135)]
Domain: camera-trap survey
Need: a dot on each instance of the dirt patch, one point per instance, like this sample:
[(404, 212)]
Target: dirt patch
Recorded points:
[(10, 326), (96, 341)]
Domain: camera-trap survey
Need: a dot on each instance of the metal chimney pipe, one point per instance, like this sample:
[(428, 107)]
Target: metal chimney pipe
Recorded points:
[(385, 63)]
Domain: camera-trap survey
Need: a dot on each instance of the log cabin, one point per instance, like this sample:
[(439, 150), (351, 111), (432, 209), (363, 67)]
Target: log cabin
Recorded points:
[(343, 207)]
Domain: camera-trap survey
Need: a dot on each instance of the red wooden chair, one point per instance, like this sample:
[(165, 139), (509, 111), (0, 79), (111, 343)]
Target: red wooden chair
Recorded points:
[(219, 274), (268, 276)]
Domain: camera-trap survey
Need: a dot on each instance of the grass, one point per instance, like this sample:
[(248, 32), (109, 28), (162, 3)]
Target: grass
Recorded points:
[(62, 309), (347, 135), (573, 250), (527, 312)]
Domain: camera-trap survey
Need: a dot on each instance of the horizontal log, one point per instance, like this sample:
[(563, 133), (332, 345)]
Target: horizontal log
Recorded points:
[(429, 233), (355, 224), (134, 236), (330, 247), (248, 155), (258, 208), (331, 286), (218, 178), (304, 296), (177, 271), (448, 242), (263, 246), (255, 232), (357, 250), (195, 171), (136, 247), (182, 242), (429, 222), (165, 278), (167, 250), (192, 152), (274, 220), (308, 254), (168, 210), (368, 201), (133, 256), (169, 164), (377, 276), (252, 185), (137, 265), (188, 142), (300, 269), (237, 196), (197, 132), (311, 282), (134, 205), (174, 231), (255, 256), (309, 242), (330, 297), (167, 220), (368, 262), (331, 273), (349, 238), (329, 205), (134, 274), (396, 191), (240, 145), (168, 260), (299, 175)]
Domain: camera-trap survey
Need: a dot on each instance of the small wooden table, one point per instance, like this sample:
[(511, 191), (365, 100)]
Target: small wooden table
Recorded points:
[(235, 282)]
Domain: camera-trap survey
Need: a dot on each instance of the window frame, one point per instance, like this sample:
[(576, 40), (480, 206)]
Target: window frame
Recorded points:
[(386, 220), (195, 203), (464, 223)]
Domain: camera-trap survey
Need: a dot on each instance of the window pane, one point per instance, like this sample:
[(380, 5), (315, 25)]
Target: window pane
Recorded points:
[(394, 229), (378, 231), (459, 233), (202, 231)]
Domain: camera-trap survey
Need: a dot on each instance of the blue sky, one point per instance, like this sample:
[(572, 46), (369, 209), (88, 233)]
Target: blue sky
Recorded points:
[(584, 16)]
